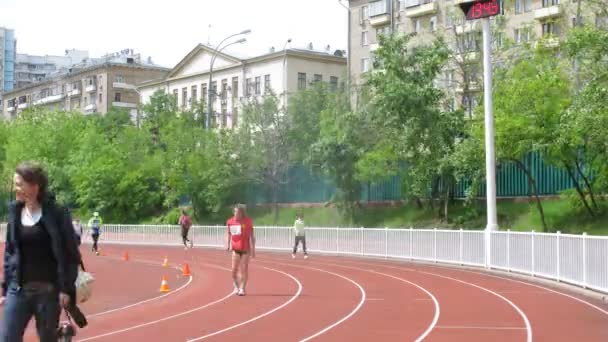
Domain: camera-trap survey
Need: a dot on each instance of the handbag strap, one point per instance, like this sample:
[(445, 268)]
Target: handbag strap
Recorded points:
[(82, 266)]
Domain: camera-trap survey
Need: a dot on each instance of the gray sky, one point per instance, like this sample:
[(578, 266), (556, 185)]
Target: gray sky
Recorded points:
[(168, 29)]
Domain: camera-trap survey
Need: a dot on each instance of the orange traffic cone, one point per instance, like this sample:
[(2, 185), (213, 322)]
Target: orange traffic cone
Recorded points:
[(164, 287), (186, 270), (166, 262), (125, 256)]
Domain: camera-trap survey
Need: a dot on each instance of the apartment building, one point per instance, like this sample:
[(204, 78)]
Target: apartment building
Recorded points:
[(8, 48), (92, 87), (235, 81), (524, 21), (31, 68)]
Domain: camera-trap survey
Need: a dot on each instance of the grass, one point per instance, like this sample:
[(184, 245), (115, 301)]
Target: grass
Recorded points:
[(517, 216)]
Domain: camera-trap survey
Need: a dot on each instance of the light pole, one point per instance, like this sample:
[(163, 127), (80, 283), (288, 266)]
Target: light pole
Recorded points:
[(285, 72), (216, 51), (347, 45)]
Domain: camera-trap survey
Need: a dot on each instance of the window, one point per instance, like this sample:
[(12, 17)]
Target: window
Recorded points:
[(364, 37), (184, 96), (573, 21), (318, 78), (519, 7), (204, 92), (175, 91), (550, 29), (213, 91), (333, 82), (267, 84), (301, 81), (258, 85), (497, 42), (194, 95), (363, 14), (224, 94), (378, 8), (100, 98), (527, 5), (235, 87), (416, 25), (433, 24), (248, 87), (117, 97), (549, 3), (517, 36), (364, 64), (224, 116), (119, 79), (601, 21), (382, 31)]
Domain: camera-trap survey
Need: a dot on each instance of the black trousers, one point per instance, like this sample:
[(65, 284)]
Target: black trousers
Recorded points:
[(297, 242)]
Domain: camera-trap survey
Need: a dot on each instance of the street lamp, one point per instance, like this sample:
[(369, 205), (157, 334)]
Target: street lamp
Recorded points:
[(216, 51), (285, 72), (348, 44)]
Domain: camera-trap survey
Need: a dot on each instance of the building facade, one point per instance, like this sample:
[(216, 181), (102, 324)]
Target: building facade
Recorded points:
[(30, 68), (235, 81), (523, 22), (8, 48), (90, 89)]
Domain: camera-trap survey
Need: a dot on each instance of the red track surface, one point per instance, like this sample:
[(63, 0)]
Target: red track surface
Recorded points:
[(327, 298)]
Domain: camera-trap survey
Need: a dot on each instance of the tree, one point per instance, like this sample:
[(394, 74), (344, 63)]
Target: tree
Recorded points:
[(411, 127), (264, 144)]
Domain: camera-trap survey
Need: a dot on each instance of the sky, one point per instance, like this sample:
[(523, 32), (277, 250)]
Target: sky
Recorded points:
[(167, 30)]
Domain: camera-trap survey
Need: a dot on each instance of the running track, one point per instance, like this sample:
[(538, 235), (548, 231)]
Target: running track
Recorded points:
[(323, 299)]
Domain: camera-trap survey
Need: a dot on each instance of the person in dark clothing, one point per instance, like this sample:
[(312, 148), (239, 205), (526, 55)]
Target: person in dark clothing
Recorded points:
[(41, 259), (185, 222)]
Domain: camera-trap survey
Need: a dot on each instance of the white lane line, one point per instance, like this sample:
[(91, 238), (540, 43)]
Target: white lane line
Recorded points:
[(519, 311), (428, 293), (477, 328), (162, 319), (294, 297), (343, 319), (543, 288), (143, 301)]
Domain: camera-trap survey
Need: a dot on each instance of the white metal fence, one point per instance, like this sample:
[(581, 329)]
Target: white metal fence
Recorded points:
[(577, 259)]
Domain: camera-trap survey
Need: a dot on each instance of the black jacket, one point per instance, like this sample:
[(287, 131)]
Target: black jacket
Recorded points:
[(58, 222)]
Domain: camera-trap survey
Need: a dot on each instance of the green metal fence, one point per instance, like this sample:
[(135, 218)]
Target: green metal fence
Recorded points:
[(304, 186)]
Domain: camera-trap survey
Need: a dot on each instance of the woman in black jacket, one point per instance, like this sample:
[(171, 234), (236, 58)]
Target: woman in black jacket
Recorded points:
[(41, 259)]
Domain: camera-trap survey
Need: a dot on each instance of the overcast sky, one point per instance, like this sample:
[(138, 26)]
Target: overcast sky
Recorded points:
[(167, 30)]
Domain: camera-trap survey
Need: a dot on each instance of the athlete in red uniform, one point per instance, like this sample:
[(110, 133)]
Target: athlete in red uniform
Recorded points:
[(241, 241)]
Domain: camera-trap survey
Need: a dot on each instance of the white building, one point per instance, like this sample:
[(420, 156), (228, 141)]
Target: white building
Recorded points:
[(238, 80)]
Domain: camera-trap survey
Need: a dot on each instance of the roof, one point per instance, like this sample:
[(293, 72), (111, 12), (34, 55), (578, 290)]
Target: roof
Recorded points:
[(194, 52)]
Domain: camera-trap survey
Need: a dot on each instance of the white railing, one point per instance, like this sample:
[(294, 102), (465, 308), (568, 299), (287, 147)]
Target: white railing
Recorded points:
[(576, 259)]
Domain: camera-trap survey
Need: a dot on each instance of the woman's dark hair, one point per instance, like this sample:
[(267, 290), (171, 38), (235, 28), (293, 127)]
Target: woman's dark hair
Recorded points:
[(33, 173)]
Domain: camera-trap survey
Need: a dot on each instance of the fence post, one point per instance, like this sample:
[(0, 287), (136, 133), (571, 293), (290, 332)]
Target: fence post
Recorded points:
[(557, 255), (533, 258), (435, 245), (584, 260), (411, 243), (337, 240), (460, 245), (385, 242), (509, 250)]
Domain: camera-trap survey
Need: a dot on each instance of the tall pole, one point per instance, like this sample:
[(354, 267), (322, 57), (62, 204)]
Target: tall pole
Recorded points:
[(492, 224), (217, 50)]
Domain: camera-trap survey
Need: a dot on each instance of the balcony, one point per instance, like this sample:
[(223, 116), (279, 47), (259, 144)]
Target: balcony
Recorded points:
[(74, 92), (10, 109), (90, 88), (425, 9), (548, 12), (374, 47), (124, 104), (122, 85), (378, 13), (22, 105), (49, 99), (90, 108)]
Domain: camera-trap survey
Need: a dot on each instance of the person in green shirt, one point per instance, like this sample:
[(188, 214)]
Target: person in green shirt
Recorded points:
[(95, 224), (298, 228)]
